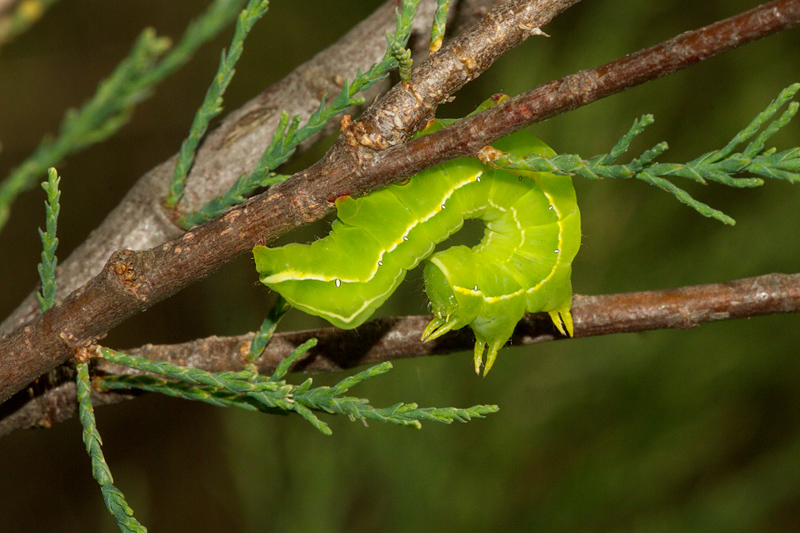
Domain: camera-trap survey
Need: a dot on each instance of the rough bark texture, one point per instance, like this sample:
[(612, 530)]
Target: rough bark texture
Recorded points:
[(385, 339), (358, 164), (140, 221), (146, 277)]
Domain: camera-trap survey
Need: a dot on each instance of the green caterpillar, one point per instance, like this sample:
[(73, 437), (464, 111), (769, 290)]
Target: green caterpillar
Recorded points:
[(523, 262)]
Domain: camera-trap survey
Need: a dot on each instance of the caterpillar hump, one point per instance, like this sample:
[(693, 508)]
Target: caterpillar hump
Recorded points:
[(523, 263)]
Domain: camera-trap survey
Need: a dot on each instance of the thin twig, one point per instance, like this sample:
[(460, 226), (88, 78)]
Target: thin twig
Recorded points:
[(133, 281), (386, 339), (469, 136), (140, 222)]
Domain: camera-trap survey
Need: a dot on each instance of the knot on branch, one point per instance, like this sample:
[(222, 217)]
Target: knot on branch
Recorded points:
[(579, 87), (124, 267), (356, 134)]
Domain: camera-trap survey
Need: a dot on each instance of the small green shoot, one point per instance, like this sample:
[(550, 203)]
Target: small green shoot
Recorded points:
[(439, 25), (212, 103), (132, 81), (290, 133), (719, 166), (264, 334), (404, 62), (112, 496), (251, 391), (47, 268)]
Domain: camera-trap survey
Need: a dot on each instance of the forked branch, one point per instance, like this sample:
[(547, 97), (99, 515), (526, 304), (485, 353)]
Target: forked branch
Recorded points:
[(133, 281), (385, 339)]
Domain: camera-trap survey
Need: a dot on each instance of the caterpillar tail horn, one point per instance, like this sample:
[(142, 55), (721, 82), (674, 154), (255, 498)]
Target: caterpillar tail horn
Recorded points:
[(563, 321)]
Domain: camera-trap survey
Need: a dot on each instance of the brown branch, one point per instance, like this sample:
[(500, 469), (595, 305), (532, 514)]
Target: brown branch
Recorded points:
[(140, 221), (460, 61), (391, 338), (468, 136), (132, 281)]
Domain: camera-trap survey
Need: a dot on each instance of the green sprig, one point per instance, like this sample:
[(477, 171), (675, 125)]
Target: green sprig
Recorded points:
[(290, 133), (180, 390), (332, 400), (264, 333), (112, 496), (722, 166), (439, 25), (212, 103), (253, 392), (47, 268), (405, 19), (404, 62), (112, 105)]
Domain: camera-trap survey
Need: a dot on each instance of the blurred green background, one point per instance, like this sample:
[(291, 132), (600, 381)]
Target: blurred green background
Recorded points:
[(664, 431)]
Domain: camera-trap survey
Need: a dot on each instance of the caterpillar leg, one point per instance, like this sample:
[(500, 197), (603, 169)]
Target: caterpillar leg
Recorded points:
[(479, 347), (491, 356), (563, 321), (437, 327)]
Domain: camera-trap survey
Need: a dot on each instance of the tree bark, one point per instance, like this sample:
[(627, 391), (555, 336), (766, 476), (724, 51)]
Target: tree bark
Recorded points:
[(141, 221), (391, 338), (132, 281)]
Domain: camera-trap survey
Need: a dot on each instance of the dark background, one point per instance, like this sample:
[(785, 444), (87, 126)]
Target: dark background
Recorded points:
[(663, 431)]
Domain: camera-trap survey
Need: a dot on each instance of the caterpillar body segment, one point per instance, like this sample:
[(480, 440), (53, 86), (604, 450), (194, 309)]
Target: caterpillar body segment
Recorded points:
[(523, 263)]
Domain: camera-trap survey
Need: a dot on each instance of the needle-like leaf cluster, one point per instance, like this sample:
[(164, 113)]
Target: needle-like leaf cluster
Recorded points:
[(212, 103), (112, 496), (290, 133), (47, 268), (252, 391), (722, 166), (264, 333), (112, 105)]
